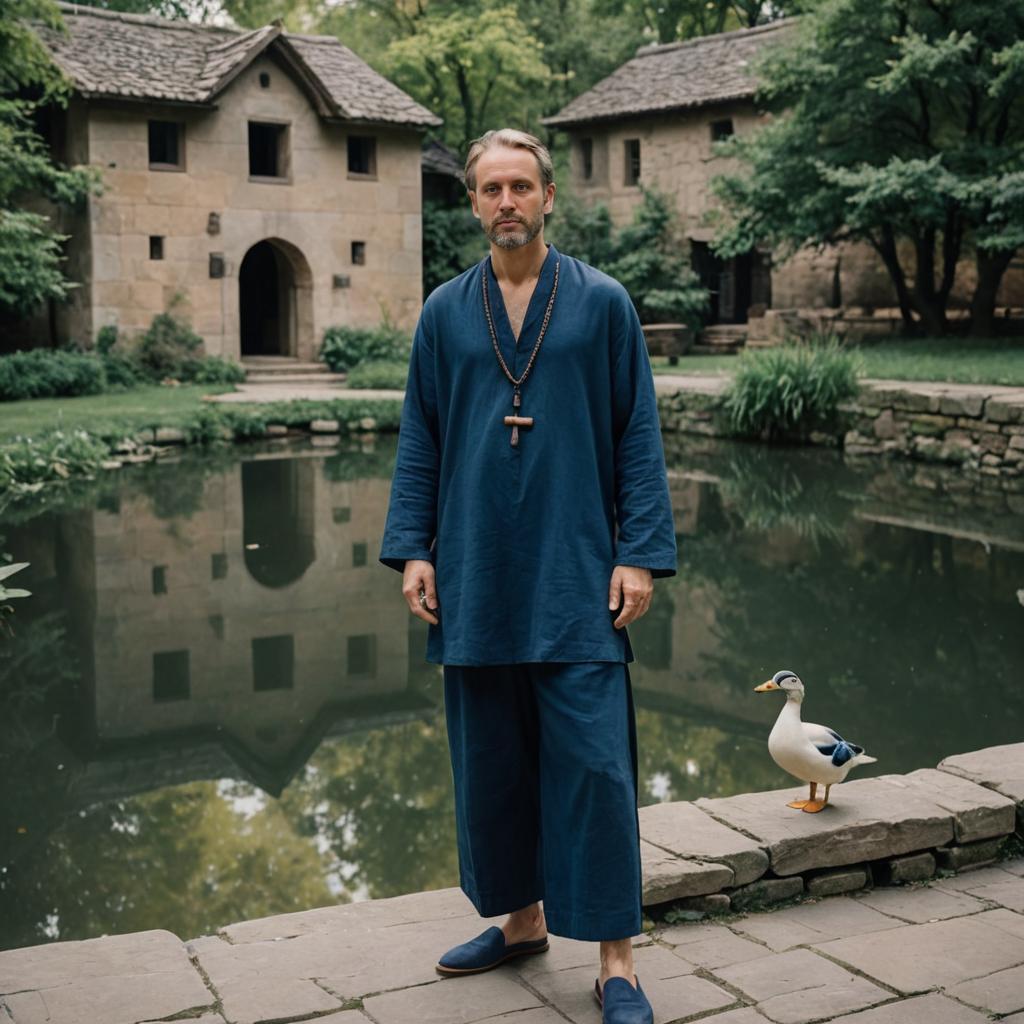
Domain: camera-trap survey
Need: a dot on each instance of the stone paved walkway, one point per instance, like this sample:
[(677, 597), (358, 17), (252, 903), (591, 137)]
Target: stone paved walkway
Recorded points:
[(947, 952)]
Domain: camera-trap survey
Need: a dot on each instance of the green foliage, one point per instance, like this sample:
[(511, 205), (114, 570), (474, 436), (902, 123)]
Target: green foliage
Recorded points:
[(452, 241), (30, 250), (787, 392), (647, 256), (345, 347), (166, 346), (42, 373), (379, 373), (669, 20), (27, 463), (899, 123)]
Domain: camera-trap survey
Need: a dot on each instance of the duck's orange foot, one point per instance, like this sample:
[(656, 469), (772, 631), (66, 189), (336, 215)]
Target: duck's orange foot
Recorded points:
[(799, 804), (813, 806)]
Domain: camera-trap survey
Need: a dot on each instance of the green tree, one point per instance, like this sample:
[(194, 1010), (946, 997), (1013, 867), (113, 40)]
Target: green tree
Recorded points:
[(669, 20), (30, 249), (899, 123)]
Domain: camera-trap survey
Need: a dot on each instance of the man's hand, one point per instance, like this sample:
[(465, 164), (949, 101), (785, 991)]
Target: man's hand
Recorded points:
[(418, 578), (633, 588)]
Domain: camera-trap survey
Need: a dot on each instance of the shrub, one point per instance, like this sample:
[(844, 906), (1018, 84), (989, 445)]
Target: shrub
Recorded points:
[(122, 372), (789, 391), (452, 241), (166, 346), (49, 373), (345, 347), (212, 370), (379, 373)]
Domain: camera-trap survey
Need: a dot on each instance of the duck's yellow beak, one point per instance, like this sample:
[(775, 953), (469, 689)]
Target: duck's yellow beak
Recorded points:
[(765, 687)]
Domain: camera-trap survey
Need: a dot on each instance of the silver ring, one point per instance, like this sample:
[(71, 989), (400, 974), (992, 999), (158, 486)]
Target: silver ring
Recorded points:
[(423, 600)]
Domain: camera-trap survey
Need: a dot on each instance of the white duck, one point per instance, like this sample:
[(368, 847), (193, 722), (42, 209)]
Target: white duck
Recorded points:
[(809, 752)]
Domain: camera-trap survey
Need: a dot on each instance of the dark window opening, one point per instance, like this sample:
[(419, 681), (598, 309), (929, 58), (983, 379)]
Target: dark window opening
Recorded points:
[(359, 253), (159, 579), (267, 152), (359, 553), (721, 129), (341, 514), (587, 158), (362, 154), (362, 655), (165, 143), (632, 161), (264, 80), (218, 565), (273, 662), (171, 676), (156, 247)]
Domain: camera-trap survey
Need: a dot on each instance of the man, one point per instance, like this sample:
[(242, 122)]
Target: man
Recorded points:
[(529, 514)]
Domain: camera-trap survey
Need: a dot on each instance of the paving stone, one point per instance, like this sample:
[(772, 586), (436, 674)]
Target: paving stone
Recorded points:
[(765, 891), (978, 812), (944, 952), (216, 1018), (1002, 992), (1006, 894), (966, 855), (799, 986), (122, 978), (452, 1001), (1014, 866), (1000, 768), (921, 905), (915, 867), (929, 1009), (975, 878), (831, 883), (862, 822), (710, 946), (668, 877), (743, 1015), (683, 829), (437, 905), (813, 922)]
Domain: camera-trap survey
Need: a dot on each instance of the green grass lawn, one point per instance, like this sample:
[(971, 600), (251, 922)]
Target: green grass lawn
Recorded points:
[(954, 360), (128, 410)]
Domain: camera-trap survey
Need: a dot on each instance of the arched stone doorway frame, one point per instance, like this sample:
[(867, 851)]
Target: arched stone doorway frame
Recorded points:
[(296, 327)]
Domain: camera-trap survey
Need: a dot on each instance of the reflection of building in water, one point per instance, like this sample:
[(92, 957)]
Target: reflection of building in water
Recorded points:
[(251, 616)]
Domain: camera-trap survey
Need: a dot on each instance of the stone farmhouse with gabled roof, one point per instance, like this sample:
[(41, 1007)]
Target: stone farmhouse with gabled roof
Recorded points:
[(266, 184), (652, 122)]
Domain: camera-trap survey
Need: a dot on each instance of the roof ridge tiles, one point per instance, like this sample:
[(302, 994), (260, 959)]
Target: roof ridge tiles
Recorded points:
[(651, 49)]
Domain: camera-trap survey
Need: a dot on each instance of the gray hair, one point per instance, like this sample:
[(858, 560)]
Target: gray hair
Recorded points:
[(514, 139)]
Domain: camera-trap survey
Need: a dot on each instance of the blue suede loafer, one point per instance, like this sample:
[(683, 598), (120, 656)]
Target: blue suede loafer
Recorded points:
[(487, 950), (621, 1003)]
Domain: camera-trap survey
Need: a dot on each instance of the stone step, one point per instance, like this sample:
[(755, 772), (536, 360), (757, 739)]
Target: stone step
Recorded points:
[(281, 365), (306, 379)]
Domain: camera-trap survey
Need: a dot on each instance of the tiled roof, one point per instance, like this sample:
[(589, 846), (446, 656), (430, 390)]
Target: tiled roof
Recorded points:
[(439, 159), (131, 56), (709, 69)]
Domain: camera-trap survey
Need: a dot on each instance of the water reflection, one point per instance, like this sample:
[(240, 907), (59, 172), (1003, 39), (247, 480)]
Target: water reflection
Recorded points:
[(216, 705)]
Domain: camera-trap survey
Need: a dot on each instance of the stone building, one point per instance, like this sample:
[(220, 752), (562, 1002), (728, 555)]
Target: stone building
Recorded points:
[(653, 121), (271, 180)]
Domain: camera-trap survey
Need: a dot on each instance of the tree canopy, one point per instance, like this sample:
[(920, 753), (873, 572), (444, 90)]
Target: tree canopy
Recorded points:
[(899, 123)]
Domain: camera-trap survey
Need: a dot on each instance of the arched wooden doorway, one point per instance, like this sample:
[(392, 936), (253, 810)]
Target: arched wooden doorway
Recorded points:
[(275, 300)]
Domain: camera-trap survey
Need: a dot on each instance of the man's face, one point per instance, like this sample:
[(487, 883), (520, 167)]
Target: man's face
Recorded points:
[(509, 200)]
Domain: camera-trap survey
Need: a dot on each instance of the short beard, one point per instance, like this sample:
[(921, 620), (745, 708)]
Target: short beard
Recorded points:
[(516, 239)]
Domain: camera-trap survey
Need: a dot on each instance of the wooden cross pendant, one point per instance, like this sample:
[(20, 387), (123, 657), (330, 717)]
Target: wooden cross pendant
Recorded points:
[(515, 422)]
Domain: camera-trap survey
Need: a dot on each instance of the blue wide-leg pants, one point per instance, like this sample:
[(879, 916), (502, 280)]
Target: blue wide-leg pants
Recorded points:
[(544, 758)]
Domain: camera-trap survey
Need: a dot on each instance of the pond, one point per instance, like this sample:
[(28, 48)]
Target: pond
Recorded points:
[(215, 704)]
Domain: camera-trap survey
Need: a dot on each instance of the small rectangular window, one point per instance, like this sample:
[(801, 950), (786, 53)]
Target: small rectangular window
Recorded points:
[(359, 253), (721, 129), (171, 678), (273, 662), (268, 150), (632, 161), (359, 553), (362, 655), (362, 155), (156, 247), (587, 158), (159, 579), (165, 144), (341, 514), (218, 565)]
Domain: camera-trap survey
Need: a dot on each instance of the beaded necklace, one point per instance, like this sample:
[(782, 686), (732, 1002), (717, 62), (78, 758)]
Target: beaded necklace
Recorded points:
[(515, 421)]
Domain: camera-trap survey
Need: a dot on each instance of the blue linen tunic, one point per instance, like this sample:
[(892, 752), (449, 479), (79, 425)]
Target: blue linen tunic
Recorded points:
[(524, 539)]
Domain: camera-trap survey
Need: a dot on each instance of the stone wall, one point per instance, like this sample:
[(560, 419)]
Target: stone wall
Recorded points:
[(732, 853), (977, 427)]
